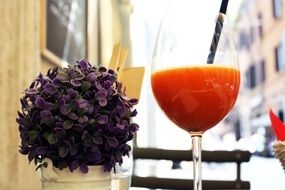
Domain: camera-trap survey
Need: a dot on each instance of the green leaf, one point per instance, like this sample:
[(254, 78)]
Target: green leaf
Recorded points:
[(46, 134), (62, 151), (33, 135), (85, 86), (64, 76), (91, 121), (81, 112), (52, 138), (68, 124)]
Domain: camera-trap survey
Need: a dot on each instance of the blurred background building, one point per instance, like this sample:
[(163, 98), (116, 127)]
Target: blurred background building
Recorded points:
[(259, 30), (260, 37)]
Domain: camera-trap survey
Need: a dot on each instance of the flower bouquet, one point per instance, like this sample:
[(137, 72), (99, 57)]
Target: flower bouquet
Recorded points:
[(75, 118)]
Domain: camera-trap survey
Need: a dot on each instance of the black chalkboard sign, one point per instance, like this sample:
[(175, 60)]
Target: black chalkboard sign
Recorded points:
[(65, 30)]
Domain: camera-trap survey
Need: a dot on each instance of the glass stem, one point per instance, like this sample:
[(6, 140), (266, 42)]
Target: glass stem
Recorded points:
[(196, 151)]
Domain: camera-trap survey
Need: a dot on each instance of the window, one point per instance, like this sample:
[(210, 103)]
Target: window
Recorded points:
[(277, 9), (252, 34), (262, 71), (251, 76), (281, 115), (260, 25), (244, 41), (280, 56)]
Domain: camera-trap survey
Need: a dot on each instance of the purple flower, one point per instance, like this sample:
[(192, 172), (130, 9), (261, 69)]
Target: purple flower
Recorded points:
[(101, 97), (75, 82), (40, 102), (83, 168), (72, 116), (76, 116), (71, 73), (111, 142), (91, 77), (84, 64), (72, 94), (42, 150), (49, 89), (31, 91), (56, 82), (82, 103), (74, 165), (102, 119)]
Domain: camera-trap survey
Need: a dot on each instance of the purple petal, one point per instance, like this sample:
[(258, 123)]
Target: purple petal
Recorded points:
[(107, 84), (91, 77), (133, 101), (42, 150), (72, 94), (74, 165), (22, 121), (48, 106), (111, 71), (71, 73), (83, 168), (66, 98), (48, 120), (102, 69), (59, 133), (97, 140), (58, 124), (40, 102), (31, 91), (107, 166), (134, 113), (74, 150), (31, 156), (82, 103), (75, 83), (101, 94), (120, 126), (134, 127), (84, 64), (98, 85), (103, 102), (90, 108), (56, 82), (102, 119), (112, 142), (62, 102), (45, 113), (72, 116), (24, 103), (49, 89)]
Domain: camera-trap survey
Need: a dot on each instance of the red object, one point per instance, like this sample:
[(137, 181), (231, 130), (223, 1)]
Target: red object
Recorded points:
[(278, 126), (196, 98)]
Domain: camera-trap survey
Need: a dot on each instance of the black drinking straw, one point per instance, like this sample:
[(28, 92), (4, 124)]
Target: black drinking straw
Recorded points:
[(217, 32)]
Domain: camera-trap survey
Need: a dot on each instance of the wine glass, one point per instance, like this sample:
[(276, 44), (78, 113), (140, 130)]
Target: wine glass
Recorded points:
[(195, 74)]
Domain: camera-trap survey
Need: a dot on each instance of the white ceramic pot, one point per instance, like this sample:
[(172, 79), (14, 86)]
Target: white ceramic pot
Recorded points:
[(55, 179)]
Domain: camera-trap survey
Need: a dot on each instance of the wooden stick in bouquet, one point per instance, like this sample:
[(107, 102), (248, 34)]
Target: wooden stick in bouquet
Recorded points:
[(130, 77)]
